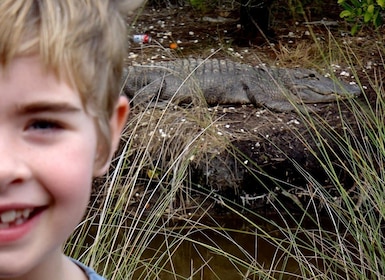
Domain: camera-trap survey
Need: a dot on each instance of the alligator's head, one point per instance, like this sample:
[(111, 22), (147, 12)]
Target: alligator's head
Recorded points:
[(311, 87)]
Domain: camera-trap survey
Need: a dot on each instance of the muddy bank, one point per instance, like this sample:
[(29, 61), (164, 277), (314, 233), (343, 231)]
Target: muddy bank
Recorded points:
[(245, 153)]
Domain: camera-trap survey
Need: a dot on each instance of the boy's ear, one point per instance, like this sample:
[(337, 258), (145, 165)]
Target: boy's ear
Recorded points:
[(117, 122)]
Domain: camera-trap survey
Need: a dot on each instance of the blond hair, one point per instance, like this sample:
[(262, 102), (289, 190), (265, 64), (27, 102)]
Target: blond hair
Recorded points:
[(83, 41)]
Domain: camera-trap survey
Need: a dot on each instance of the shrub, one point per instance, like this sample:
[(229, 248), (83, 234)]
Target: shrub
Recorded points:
[(362, 12)]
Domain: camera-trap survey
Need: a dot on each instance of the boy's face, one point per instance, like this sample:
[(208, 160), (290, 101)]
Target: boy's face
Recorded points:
[(48, 147)]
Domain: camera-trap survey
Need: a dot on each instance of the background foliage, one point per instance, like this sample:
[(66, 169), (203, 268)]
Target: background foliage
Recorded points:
[(362, 12), (358, 13)]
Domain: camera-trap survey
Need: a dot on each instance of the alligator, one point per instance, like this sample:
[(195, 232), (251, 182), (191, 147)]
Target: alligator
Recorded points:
[(227, 82)]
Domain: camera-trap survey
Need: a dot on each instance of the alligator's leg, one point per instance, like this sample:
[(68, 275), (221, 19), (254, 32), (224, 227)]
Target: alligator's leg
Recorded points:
[(145, 89)]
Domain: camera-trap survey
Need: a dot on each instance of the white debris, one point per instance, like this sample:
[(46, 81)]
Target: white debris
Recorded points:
[(162, 133), (345, 74), (293, 122), (132, 55)]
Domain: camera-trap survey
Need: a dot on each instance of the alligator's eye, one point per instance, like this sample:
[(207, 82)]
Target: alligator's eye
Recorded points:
[(312, 75)]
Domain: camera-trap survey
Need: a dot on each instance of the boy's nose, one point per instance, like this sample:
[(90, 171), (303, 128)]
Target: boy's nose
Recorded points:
[(13, 168)]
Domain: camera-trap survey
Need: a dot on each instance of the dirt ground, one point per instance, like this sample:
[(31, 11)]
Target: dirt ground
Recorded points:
[(270, 139)]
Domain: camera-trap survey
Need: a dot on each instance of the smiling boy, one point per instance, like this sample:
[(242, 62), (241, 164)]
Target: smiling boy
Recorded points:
[(60, 121)]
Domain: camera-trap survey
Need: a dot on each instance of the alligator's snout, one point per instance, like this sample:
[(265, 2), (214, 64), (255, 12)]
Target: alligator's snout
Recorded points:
[(326, 91)]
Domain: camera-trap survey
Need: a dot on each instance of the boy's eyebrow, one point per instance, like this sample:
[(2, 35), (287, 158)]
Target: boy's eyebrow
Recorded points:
[(47, 106)]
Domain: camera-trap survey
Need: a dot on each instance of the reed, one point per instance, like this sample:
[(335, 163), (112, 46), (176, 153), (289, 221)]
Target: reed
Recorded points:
[(149, 208)]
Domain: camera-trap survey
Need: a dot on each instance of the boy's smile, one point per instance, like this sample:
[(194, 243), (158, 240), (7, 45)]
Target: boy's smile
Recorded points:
[(48, 148)]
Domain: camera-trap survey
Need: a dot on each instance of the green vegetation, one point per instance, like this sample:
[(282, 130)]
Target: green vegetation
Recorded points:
[(359, 13), (147, 210), (362, 12)]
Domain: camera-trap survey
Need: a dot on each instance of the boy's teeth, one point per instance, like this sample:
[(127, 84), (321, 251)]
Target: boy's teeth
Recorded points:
[(8, 216), (14, 215), (19, 221), (26, 212)]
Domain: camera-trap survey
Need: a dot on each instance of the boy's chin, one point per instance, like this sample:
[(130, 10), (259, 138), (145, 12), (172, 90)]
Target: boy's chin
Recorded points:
[(15, 269)]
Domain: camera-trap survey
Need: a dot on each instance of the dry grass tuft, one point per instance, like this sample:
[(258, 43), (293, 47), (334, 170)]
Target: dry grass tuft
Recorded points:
[(302, 55)]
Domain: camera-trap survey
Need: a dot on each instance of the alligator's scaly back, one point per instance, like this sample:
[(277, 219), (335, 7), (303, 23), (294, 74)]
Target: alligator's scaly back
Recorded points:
[(228, 82)]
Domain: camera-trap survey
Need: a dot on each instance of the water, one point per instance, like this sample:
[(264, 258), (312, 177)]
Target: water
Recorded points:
[(228, 248), (192, 258)]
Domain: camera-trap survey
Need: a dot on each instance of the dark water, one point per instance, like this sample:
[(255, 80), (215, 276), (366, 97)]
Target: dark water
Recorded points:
[(192, 258), (229, 248)]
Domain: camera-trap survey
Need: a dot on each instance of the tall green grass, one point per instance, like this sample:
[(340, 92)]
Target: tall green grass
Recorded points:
[(148, 220)]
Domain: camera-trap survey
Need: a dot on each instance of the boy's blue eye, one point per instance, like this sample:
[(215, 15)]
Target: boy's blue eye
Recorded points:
[(44, 125)]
